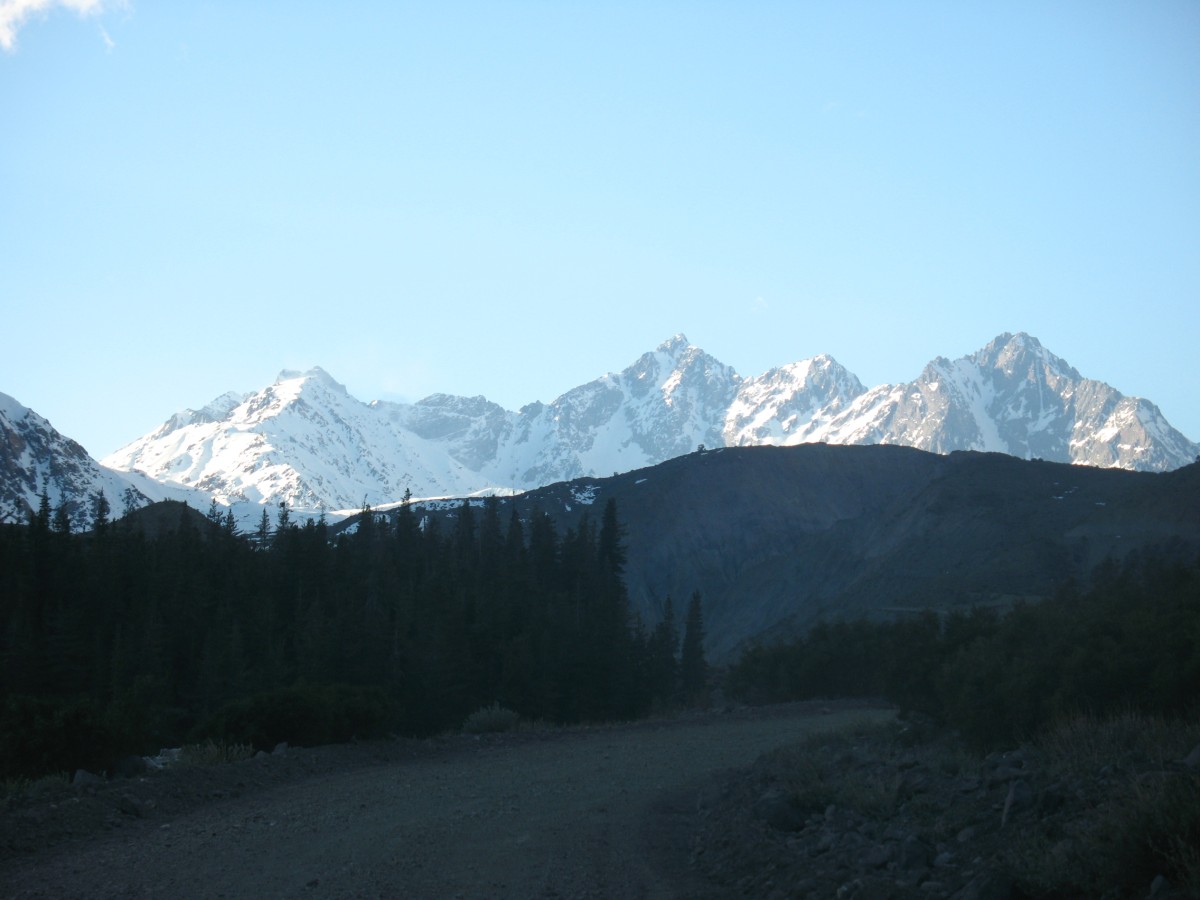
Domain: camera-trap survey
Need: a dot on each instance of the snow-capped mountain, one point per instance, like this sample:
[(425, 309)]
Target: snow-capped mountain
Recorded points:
[(663, 405), (35, 457), (302, 440), (306, 441), (1015, 397), (790, 404)]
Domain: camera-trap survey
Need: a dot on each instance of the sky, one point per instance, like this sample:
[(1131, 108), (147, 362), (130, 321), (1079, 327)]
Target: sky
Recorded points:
[(511, 199)]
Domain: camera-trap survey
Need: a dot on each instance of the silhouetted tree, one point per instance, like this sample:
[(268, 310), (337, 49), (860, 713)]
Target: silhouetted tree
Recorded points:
[(100, 511)]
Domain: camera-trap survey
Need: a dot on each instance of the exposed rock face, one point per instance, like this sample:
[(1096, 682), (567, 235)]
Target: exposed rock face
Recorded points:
[(306, 441), (34, 456)]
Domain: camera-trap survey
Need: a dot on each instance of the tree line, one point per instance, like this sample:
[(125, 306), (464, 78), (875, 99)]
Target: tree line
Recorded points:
[(1129, 641), (113, 642)]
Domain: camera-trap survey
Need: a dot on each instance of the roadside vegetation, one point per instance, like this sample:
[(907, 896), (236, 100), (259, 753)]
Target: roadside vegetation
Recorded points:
[(1128, 643), (1052, 751)]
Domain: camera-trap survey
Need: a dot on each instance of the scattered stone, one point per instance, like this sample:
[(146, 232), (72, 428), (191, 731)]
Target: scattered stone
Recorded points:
[(959, 838), (280, 749), (83, 778)]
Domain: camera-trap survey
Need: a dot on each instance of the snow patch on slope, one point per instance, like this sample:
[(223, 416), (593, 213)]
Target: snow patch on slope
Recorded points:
[(306, 441)]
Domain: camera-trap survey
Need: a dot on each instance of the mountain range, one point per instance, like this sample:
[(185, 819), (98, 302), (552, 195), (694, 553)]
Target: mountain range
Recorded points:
[(304, 440)]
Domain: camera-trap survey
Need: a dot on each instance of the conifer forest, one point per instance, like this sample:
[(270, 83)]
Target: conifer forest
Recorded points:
[(114, 642)]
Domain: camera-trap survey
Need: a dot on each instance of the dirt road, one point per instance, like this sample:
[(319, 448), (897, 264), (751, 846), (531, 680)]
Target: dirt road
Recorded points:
[(603, 813)]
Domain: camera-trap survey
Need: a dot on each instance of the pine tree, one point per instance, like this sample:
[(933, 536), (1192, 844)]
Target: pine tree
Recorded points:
[(62, 517), (100, 510), (284, 519), (42, 521)]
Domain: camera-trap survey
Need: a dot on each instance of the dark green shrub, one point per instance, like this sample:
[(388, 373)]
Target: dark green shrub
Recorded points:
[(303, 715), (40, 735), (491, 718)]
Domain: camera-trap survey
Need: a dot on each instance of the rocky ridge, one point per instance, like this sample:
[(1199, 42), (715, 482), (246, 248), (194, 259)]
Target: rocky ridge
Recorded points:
[(34, 457), (304, 440)]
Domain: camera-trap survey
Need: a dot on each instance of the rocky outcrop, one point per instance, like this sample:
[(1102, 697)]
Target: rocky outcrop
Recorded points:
[(305, 440)]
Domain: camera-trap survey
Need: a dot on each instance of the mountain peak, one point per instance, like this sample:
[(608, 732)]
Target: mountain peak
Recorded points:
[(10, 408), (675, 344), (306, 440), (1021, 351), (316, 372)]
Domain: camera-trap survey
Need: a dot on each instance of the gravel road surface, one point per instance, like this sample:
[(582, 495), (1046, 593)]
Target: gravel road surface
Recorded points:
[(566, 814)]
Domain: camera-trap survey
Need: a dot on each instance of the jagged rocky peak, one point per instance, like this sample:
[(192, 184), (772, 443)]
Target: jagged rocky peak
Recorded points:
[(675, 345), (34, 457), (677, 364), (11, 409), (456, 404), (671, 355), (828, 377), (1012, 396), (1022, 355), (315, 375), (217, 410), (789, 404)]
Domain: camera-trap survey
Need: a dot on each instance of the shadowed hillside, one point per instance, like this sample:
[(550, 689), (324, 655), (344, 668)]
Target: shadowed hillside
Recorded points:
[(778, 538)]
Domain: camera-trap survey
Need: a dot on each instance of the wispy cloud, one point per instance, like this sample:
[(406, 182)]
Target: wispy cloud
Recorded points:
[(15, 13)]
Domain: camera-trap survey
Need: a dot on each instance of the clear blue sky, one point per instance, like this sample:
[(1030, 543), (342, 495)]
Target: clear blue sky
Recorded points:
[(511, 199)]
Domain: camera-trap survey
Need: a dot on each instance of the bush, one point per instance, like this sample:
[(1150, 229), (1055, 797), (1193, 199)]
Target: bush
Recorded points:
[(490, 719), (302, 715), (211, 753), (1130, 643), (40, 735), (1147, 824)]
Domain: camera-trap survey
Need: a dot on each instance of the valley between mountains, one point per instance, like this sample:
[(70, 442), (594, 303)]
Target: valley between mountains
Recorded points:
[(784, 499)]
